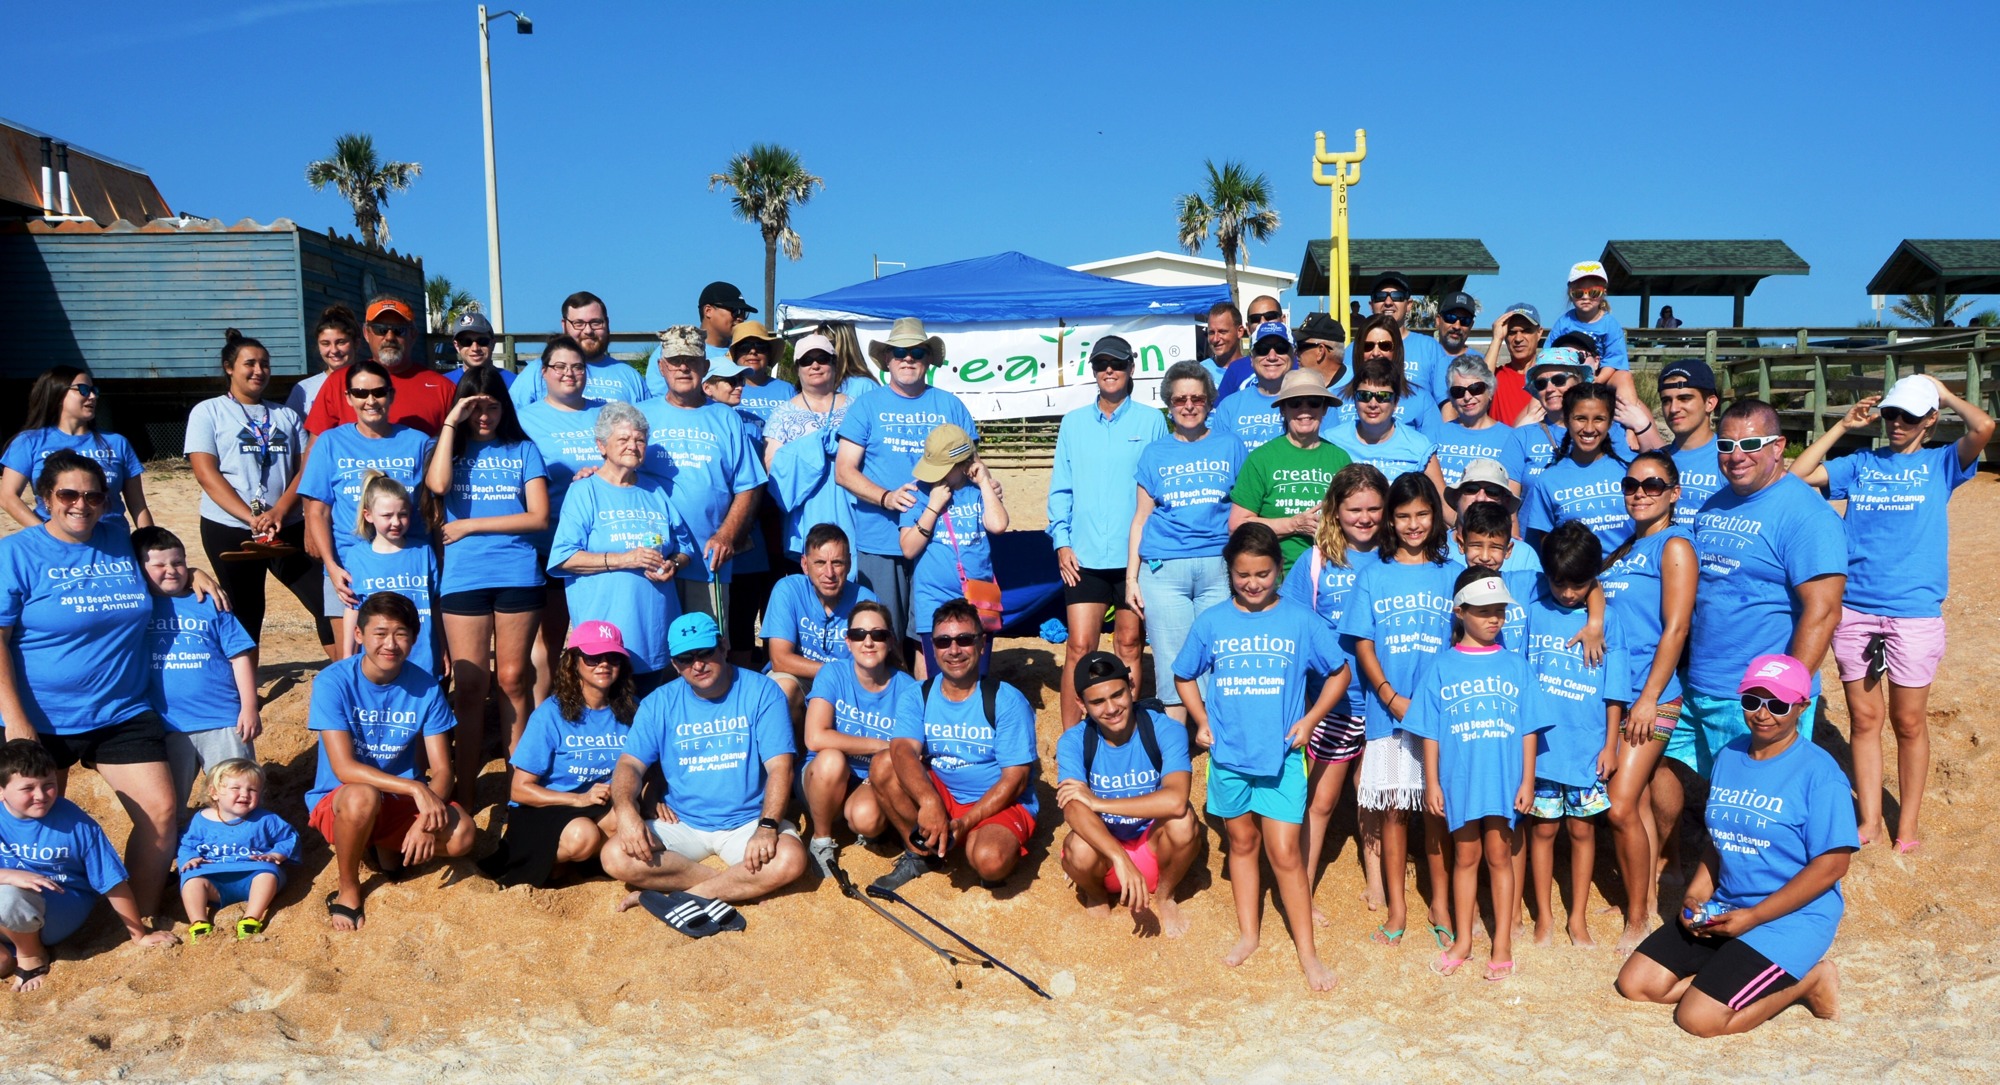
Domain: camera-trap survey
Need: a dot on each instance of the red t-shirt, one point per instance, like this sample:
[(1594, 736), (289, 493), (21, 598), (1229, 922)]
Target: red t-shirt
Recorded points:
[(1510, 394), (423, 398)]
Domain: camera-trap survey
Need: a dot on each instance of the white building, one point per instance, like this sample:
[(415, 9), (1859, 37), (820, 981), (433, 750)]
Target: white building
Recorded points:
[(1158, 268)]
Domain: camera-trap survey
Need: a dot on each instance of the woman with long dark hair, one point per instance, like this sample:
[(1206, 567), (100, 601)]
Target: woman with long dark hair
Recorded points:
[(62, 416), (1581, 480)]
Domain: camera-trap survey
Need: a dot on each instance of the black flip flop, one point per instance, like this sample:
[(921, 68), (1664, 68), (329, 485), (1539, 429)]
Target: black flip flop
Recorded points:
[(355, 916), (23, 975), (696, 917)]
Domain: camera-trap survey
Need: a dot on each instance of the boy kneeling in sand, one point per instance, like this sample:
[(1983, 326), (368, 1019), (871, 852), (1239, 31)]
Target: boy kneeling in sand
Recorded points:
[(1122, 784), (54, 864)]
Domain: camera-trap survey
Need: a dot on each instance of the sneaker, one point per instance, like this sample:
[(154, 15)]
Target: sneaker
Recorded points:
[(826, 856), (909, 866)]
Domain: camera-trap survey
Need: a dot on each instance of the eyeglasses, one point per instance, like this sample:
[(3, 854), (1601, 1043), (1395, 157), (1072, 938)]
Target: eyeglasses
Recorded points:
[(475, 340), (1555, 380), (1896, 416), (914, 354), (1474, 390), (1776, 707), (1259, 318), (1278, 346), (1579, 292), (1456, 316), (602, 658), (1189, 401), (400, 331), (878, 636), (1099, 365), (1381, 296), (377, 392), (92, 498), (689, 659), (89, 391), (588, 325), (1744, 444), (1374, 397), (573, 367), (818, 357), (955, 640), (1654, 487)]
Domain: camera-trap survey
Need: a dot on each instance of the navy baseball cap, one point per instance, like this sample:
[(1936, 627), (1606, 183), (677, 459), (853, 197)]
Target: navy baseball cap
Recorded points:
[(1522, 308), (1459, 300), (1689, 372)]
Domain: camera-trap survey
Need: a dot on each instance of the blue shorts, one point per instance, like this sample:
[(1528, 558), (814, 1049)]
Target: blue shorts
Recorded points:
[(1554, 800), (1708, 724), (233, 886), (1281, 797)]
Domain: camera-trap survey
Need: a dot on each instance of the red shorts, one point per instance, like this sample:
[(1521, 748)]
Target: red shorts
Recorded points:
[(1015, 819), (1140, 851), (392, 822)]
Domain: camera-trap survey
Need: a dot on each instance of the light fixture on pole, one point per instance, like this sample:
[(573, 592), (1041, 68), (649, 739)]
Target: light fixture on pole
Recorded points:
[(522, 25), (892, 263)]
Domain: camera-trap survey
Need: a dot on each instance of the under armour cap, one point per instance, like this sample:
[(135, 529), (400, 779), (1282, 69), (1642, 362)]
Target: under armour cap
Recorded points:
[(692, 633)]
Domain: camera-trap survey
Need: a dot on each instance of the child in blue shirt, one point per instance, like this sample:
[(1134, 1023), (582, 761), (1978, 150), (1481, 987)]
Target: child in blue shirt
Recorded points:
[(204, 670), (386, 556), (55, 862), (1582, 705), (1484, 539), (946, 533), (1258, 650), (1467, 705), (239, 847)]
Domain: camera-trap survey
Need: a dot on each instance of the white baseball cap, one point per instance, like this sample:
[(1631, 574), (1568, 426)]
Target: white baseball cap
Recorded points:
[(1915, 394), (1588, 269), (1483, 592)]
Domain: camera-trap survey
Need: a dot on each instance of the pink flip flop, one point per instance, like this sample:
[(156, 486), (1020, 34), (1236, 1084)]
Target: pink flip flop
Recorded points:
[(1499, 970), (1909, 847), (1444, 964)]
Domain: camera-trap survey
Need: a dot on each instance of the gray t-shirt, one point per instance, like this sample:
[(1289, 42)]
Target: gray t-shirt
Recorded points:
[(258, 448), (304, 392)]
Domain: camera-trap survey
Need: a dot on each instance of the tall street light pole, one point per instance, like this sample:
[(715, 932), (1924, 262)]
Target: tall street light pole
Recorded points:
[(522, 25)]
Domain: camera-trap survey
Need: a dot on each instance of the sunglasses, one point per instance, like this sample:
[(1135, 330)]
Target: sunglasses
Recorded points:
[(1456, 316), (1380, 296), (1278, 346), (377, 392), (1773, 705), (689, 659), (1744, 444), (92, 498), (955, 640), (879, 636), (1653, 487), (1474, 390), (398, 330), (752, 346), (1896, 416), (474, 340), (914, 354), (818, 357), (1555, 380), (1188, 401), (1378, 346), (1492, 491), (603, 658), (1375, 397), (1592, 292), (1259, 318), (1099, 365), (88, 391)]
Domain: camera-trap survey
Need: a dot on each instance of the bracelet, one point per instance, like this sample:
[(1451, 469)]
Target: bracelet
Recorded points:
[(883, 500), (607, 561), (921, 531)]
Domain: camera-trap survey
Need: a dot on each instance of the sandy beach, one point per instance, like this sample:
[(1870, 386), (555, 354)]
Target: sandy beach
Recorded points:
[(456, 980)]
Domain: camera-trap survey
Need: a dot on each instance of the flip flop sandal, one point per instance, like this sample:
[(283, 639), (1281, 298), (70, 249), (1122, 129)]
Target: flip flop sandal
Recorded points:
[(1909, 847), (696, 917), (248, 927), (335, 908), (23, 975), (1442, 936), (1444, 964), (1499, 970), (199, 930), (1383, 936)]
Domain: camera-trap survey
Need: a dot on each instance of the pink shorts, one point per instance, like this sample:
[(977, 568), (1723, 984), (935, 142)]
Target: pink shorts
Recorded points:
[(1914, 647), (1140, 851)]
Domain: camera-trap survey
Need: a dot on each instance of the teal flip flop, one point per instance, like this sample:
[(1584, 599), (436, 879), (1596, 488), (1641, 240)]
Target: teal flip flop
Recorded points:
[(1443, 936), (1383, 936)]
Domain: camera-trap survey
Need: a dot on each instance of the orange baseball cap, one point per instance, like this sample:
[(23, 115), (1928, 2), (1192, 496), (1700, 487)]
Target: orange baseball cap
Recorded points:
[(390, 305)]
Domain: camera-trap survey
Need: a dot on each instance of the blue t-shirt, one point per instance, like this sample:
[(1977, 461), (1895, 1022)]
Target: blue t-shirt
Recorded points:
[(599, 518), (69, 848), (189, 644), (1402, 451), (1632, 602), (1406, 611), (1240, 372), (958, 541), (1609, 334), (891, 429), (1189, 482), (1258, 665), (1701, 477), (1250, 414), (506, 375), (570, 755), (712, 752), (865, 714), (386, 723), (79, 613), (112, 452), (410, 572), (1569, 491), (1524, 586), (1573, 692), (606, 379), (795, 612), (1898, 526), (1413, 411), (1768, 819), (1327, 595), (966, 753), (338, 467), (491, 479), (225, 847), (759, 400), (1091, 496), (1477, 706), (1538, 442), (1755, 551), (1458, 446), (656, 374), (705, 457), (1125, 772), (1424, 366), (568, 443)]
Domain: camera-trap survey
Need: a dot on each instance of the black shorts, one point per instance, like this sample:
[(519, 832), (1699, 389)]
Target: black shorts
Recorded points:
[(1336, 739), (483, 601), (138, 741), (1105, 586), (1725, 969), (527, 852)]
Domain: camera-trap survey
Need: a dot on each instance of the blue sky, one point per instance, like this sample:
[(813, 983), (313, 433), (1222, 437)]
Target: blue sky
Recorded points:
[(947, 131)]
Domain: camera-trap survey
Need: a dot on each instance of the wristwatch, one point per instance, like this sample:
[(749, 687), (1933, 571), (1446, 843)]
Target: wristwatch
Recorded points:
[(768, 823)]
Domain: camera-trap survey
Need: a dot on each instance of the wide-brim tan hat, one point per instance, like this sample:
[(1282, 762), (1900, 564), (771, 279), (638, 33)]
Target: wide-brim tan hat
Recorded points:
[(1302, 384), (907, 332)]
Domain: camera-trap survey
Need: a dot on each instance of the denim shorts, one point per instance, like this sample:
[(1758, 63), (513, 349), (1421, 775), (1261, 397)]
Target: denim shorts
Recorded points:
[(1174, 591)]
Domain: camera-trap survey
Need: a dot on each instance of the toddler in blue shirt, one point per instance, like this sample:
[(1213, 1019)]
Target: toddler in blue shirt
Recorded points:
[(239, 847)]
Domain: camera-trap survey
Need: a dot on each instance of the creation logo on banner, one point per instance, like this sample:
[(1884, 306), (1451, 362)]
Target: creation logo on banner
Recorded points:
[(1034, 369)]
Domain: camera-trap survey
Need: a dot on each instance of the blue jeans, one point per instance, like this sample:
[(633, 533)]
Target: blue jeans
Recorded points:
[(1175, 590)]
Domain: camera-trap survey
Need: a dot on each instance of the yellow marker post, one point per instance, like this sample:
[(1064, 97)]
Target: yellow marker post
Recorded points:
[(1346, 171)]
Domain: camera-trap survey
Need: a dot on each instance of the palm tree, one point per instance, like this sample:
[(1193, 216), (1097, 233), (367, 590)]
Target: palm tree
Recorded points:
[(366, 181), (1930, 310), (1235, 204), (446, 303), (768, 180)]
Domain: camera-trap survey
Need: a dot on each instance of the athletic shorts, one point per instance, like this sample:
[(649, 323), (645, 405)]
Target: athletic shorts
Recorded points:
[(392, 820), (191, 753), (231, 887), (480, 602), (1281, 797), (137, 741), (1096, 586), (1554, 800), (1709, 723), (1140, 851), (1015, 819), (1337, 739), (694, 844), (1912, 647), (1725, 969)]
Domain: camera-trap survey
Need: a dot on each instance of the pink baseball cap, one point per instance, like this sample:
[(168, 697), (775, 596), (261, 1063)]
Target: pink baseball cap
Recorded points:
[(1782, 676), (597, 638)]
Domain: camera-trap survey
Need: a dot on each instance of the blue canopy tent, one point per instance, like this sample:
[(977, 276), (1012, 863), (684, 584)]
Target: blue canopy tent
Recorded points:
[(1007, 287)]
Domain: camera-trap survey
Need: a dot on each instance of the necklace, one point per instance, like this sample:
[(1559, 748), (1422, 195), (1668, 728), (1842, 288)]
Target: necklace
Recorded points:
[(831, 400)]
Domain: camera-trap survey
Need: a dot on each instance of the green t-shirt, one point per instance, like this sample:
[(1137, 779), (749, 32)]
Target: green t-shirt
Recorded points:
[(1282, 479)]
